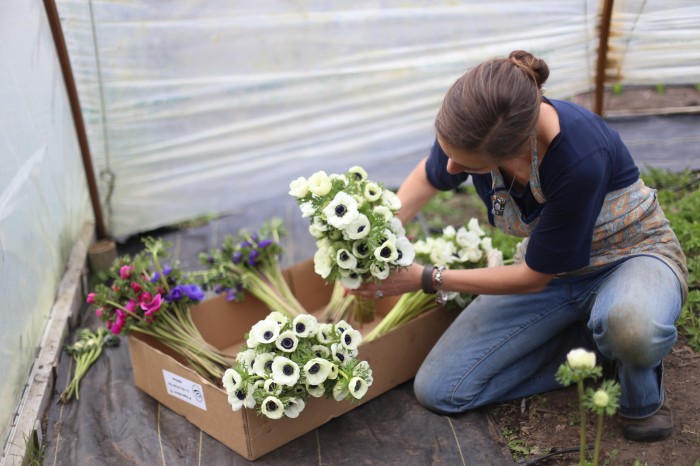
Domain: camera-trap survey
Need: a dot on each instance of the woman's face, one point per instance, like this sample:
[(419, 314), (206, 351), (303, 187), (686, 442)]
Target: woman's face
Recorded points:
[(464, 161)]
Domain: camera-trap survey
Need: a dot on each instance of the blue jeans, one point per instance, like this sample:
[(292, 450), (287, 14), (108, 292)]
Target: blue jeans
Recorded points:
[(506, 347)]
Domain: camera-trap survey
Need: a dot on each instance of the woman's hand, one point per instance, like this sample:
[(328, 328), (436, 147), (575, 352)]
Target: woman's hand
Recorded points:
[(399, 282)]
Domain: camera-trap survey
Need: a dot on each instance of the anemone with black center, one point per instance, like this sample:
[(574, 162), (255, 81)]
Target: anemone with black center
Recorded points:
[(358, 385), (288, 369), (344, 256), (348, 339), (340, 210), (240, 395), (271, 406), (362, 248), (315, 368), (299, 390), (319, 354), (400, 255), (267, 335), (340, 356), (300, 327), (385, 252), (287, 343), (268, 365)]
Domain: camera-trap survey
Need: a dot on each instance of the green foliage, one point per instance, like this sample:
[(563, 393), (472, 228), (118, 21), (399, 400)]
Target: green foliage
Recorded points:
[(34, 454), (516, 445), (617, 89), (660, 89)]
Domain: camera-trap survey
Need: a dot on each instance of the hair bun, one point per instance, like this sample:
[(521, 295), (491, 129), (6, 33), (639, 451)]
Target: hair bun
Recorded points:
[(531, 65)]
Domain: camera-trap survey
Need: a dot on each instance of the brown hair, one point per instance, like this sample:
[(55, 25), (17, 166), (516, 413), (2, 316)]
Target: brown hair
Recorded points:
[(493, 108)]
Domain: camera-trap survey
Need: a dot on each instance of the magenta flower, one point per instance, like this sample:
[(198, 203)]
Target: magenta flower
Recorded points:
[(90, 298), (152, 306), (145, 297), (99, 311), (125, 271), (130, 306), (136, 287)]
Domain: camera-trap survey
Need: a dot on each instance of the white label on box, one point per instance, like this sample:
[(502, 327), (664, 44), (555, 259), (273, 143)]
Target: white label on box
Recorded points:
[(184, 389)]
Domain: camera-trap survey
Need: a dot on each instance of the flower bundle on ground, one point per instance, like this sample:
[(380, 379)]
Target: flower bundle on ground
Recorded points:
[(85, 351), (581, 365), (354, 224), (285, 361), (463, 248), (153, 299), (250, 263)]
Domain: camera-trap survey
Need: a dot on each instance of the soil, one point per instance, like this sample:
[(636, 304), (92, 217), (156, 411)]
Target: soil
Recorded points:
[(535, 426)]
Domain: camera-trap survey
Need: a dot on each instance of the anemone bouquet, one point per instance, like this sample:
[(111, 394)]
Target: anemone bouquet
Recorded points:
[(463, 248), (153, 299), (285, 361), (250, 263), (357, 234)]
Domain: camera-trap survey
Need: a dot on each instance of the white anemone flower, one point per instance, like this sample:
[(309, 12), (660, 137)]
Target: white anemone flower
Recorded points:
[(361, 201), (342, 178), (272, 387), (340, 327), (340, 353), (304, 325), (473, 255), (397, 227), (449, 232), (383, 211), (325, 333), (423, 246), (278, 317), (320, 223), (323, 262), (341, 211), (334, 372), (372, 192), (345, 259), (299, 187), (231, 380), (262, 366), (294, 407), (406, 252), (249, 402), (360, 249), (236, 399), (315, 232), (351, 339), (386, 252), (319, 183), (251, 343), (486, 244), (307, 210), (474, 227), (391, 200), (357, 387), (494, 258), (285, 371), (357, 173), (340, 391), (380, 270), (359, 228), (581, 359), (272, 407), (317, 370), (317, 391), (350, 279), (287, 341), (442, 252), (601, 399), (321, 351), (246, 358), (266, 331), (467, 239)]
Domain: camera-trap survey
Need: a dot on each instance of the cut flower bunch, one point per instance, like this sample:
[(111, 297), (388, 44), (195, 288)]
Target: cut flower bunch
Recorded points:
[(153, 299), (455, 249), (285, 361), (250, 263), (358, 236)]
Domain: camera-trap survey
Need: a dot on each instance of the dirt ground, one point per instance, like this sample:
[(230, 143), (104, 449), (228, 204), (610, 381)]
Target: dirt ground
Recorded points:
[(539, 424)]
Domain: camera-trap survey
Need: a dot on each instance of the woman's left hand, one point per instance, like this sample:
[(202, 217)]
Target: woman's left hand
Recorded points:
[(399, 282)]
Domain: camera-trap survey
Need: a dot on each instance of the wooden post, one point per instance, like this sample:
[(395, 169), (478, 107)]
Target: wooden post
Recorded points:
[(603, 37)]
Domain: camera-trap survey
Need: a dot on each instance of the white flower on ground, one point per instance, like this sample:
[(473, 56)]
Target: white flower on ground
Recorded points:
[(307, 210), (449, 232), (383, 211), (287, 341), (317, 391), (360, 249), (317, 370), (467, 239), (266, 331), (380, 270), (581, 359), (358, 228), (294, 407), (386, 252), (372, 191), (357, 387), (391, 200), (341, 211), (304, 325), (323, 262), (231, 380), (601, 399), (321, 351), (285, 371), (474, 227), (345, 259), (340, 391), (351, 339), (246, 358), (357, 173), (406, 252), (262, 366), (272, 387), (272, 407), (350, 279), (299, 188), (319, 183)]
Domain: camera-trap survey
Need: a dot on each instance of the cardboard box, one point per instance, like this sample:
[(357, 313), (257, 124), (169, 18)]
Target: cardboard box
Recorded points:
[(394, 359)]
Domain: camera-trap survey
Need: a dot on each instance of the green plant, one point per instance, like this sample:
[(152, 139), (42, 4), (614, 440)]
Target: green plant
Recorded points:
[(617, 89), (34, 454), (516, 445), (660, 89)]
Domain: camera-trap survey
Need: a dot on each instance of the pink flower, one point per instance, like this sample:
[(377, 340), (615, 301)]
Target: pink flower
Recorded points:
[(90, 298), (130, 306), (99, 311), (108, 324), (136, 287), (145, 297), (125, 271), (118, 324), (152, 306)]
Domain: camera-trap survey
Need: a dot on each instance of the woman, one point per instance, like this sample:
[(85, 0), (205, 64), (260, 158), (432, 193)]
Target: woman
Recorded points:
[(600, 267)]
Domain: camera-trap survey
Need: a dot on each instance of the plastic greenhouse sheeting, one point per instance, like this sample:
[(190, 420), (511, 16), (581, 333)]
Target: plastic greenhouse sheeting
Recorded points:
[(44, 201)]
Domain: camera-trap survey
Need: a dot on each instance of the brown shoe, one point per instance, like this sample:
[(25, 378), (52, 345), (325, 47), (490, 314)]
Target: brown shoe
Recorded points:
[(656, 427)]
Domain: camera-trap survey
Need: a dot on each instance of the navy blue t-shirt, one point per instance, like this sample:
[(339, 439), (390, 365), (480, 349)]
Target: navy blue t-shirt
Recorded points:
[(584, 162)]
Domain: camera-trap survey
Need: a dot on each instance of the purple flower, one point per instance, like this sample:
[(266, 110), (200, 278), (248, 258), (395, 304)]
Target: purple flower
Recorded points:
[(245, 244), (253, 255), (237, 257), (193, 292), (265, 243), (156, 276), (231, 295), (175, 294)]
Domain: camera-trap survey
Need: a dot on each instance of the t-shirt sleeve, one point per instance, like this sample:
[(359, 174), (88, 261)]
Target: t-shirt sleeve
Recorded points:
[(436, 169), (561, 241)]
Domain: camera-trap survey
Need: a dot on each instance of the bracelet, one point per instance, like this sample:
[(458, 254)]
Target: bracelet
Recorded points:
[(427, 280), (441, 297)]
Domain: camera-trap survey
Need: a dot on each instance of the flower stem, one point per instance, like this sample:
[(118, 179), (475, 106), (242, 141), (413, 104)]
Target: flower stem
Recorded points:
[(582, 411), (598, 435)]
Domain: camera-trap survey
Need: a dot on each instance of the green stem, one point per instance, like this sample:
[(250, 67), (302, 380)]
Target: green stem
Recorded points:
[(598, 435), (582, 411)]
